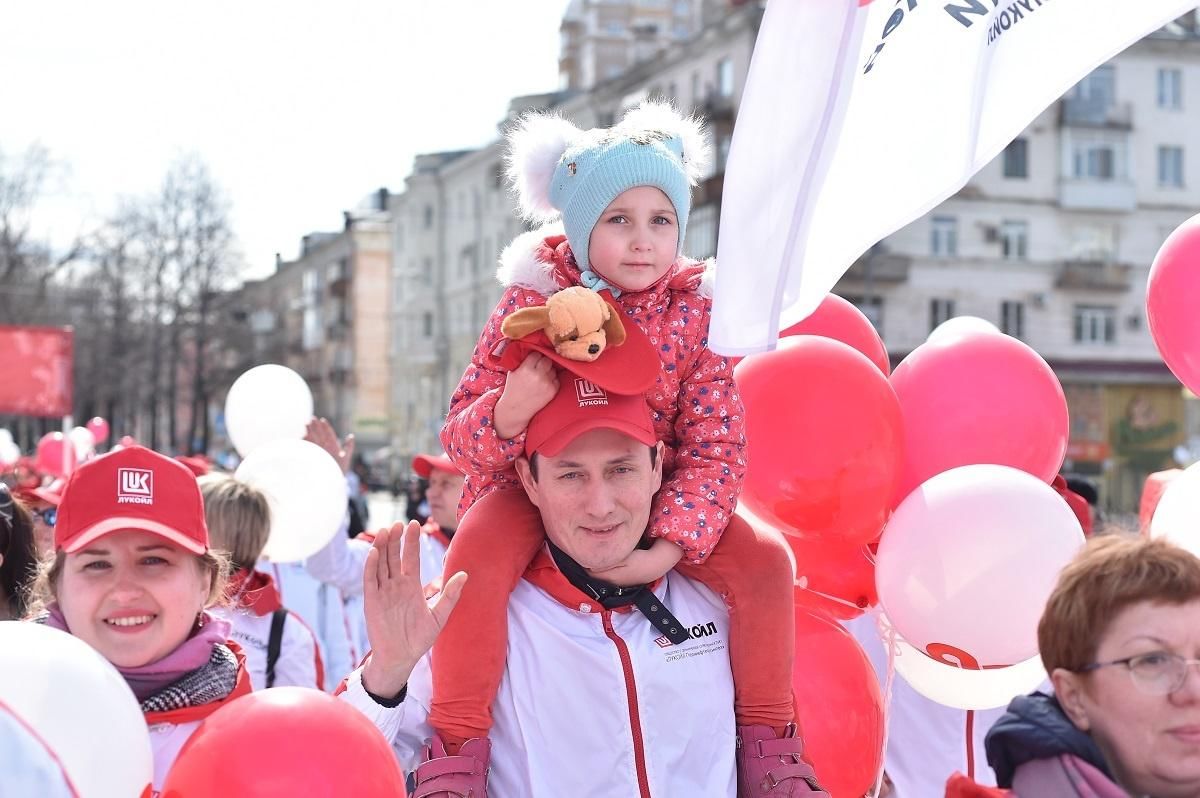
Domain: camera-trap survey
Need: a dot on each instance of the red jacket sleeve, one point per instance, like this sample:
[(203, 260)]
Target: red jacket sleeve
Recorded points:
[(696, 503), (469, 436)]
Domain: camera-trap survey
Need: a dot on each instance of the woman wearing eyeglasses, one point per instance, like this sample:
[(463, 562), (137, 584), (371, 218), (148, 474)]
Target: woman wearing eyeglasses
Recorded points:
[(18, 557), (1120, 638), (43, 506)]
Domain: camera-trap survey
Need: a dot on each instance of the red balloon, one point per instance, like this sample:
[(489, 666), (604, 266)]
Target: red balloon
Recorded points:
[(285, 741), (829, 570), (1172, 296), (51, 450), (823, 432), (979, 398), (99, 429), (839, 704), (840, 320)]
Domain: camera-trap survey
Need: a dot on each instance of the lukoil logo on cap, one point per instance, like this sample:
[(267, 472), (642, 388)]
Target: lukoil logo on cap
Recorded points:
[(135, 486), (589, 394)]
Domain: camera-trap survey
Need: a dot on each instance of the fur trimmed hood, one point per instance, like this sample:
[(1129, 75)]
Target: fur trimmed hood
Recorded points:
[(533, 260)]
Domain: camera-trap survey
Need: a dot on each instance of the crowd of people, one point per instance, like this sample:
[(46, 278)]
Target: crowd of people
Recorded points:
[(580, 610)]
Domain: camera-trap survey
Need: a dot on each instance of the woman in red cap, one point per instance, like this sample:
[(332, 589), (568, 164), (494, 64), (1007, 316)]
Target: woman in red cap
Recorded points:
[(133, 576)]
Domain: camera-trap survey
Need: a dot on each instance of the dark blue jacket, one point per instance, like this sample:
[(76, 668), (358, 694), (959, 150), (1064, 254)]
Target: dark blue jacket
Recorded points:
[(1035, 727)]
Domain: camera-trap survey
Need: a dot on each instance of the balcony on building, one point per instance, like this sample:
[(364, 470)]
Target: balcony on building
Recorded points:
[(1090, 194), (339, 277), (1093, 112), (1094, 275), (880, 267), (717, 107)]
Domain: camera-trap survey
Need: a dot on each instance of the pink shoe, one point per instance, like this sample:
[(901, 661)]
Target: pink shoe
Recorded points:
[(770, 766), (463, 775)]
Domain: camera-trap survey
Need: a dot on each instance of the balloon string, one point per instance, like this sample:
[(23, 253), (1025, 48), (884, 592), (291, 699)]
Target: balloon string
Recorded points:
[(802, 583), (889, 639), (971, 744)]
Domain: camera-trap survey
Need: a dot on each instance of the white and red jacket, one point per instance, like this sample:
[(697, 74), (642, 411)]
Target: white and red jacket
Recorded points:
[(697, 412), (595, 703), (170, 730), (321, 607), (340, 564), (254, 600)]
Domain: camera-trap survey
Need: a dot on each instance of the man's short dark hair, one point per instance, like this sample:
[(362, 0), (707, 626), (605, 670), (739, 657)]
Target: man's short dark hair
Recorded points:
[(533, 461)]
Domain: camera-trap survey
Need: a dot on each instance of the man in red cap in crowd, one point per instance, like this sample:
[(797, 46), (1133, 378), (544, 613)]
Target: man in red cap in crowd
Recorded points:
[(628, 687), (43, 506)]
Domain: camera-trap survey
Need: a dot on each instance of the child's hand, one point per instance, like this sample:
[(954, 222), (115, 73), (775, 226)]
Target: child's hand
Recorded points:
[(527, 389), (643, 566)]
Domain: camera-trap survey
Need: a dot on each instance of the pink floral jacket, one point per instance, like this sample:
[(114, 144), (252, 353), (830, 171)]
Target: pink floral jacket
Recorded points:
[(697, 411)]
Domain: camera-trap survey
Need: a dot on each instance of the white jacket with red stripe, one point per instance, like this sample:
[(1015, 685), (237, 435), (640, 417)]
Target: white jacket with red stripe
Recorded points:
[(595, 703)]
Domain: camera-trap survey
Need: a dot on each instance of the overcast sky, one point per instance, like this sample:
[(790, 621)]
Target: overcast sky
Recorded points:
[(299, 108)]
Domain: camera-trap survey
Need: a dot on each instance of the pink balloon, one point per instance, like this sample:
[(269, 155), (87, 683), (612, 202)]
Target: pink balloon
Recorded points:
[(51, 450), (1172, 296), (99, 429), (968, 560), (979, 397)]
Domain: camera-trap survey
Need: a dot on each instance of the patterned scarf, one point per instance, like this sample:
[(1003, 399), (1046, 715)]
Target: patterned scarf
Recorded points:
[(212, 681)]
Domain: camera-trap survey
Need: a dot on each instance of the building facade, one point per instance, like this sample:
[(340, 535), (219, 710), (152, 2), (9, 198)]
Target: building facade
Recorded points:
[(326, 315), (1051, 242)]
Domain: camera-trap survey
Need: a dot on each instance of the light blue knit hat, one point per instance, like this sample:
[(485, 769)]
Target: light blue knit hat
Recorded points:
[(561, 170)]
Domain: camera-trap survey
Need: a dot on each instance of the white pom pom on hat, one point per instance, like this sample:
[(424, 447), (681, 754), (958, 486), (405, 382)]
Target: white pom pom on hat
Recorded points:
[(536, 143)]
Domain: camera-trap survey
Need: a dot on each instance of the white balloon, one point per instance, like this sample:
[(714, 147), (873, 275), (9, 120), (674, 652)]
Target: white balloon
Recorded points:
[(84, 442), (968, 560), (5, 436), (307, 493), (1177, 516), (960, 325), (964, 688), (79, 706), (267, 403), (9, 453)]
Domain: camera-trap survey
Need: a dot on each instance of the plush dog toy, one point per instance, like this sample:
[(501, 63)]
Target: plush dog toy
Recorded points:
[(578, 322)]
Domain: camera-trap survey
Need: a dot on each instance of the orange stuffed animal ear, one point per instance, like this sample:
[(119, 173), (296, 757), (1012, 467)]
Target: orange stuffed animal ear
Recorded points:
[(525, 321), (614, 330)]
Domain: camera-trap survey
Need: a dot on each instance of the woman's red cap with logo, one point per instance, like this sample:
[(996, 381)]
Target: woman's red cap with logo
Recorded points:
[(134, 488)]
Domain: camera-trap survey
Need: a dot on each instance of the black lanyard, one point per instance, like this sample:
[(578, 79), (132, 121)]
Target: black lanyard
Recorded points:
[(613, 596)]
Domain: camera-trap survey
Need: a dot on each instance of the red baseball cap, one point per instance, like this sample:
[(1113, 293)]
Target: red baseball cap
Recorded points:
[(630, 368), (424, 464), (134, 488), (50, 494), (581, 406)]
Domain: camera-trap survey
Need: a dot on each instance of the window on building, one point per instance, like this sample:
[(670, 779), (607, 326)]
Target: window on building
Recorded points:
[(614, 28), (943, 236), (613, 71), (1016, 158), (683, 8), (724, 142), (399, 238), (1095, 324), (871, 307), (1014, 239), (497, 176), (725, 77), (1170, 166), (1098, 89), (427, 268), (1170, 89), (696, 98), (427, 324), (1012, 318), (1094, 160), (428, 217), (940, 310)]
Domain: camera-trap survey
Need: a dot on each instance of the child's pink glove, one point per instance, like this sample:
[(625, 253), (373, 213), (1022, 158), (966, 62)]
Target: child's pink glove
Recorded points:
[(527, 389)]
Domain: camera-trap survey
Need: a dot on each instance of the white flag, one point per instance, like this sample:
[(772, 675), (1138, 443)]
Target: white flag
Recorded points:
[(859, 116)]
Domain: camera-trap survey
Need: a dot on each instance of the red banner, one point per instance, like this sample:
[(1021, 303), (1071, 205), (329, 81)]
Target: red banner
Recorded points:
[(36, 370)]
